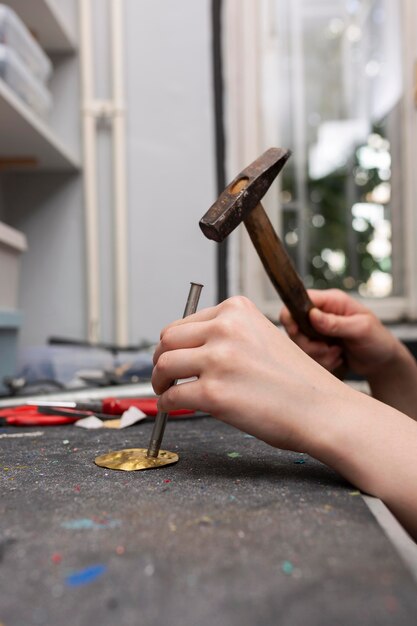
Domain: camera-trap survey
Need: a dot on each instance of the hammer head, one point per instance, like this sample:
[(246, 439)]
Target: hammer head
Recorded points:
[(243, 194)]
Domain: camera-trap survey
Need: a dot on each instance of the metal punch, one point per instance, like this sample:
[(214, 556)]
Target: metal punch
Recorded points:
[(161, 418)]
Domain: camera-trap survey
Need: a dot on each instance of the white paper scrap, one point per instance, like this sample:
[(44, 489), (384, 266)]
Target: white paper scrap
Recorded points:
[(131, 416), (89, 422)]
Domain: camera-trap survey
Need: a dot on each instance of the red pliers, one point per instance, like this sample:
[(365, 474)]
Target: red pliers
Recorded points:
[(55, 414)]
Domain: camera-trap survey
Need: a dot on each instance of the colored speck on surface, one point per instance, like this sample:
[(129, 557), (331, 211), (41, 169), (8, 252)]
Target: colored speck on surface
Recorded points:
[(248, 436), (204, 520), (56, 558), (168, 480), (233, 455), (149, 570), (89, 524), (85, 576), (354, 493), (299, 461), (77, 488), (287, 567)]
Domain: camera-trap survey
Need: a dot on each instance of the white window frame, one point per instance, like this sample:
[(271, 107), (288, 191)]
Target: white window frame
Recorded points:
[(250, 49)]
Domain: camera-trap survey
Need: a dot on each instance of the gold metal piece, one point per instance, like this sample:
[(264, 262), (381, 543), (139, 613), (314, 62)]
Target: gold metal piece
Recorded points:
[(132, 459)]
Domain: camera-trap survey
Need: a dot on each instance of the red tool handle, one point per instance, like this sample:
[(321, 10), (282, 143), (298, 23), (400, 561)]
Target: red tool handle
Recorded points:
[(117, 406), (28, 419), (30, 416)]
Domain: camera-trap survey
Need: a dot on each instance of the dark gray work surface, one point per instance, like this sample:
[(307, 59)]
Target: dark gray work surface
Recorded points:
[(255, 539)]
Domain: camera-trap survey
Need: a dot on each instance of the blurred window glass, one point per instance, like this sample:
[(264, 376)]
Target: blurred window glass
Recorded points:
[(340, 73)]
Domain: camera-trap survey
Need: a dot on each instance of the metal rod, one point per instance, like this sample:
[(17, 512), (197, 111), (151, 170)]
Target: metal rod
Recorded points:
[(161, 418)]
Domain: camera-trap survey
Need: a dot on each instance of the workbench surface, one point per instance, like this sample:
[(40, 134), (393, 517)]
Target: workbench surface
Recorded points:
[(237, 533)]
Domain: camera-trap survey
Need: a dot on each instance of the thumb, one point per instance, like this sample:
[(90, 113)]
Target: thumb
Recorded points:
[(343, 326)]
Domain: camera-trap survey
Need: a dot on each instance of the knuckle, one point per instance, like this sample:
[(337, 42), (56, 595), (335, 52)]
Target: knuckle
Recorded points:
[(225, 354), (367, 324), (328, 364), (167, 337), (225, 326), (171, 396), (337, 293), (242, 302), (163, 331), (161, 366), (292, 331), (239, 303), (155, 382), (284, 316), (331, 323), (209, 391)]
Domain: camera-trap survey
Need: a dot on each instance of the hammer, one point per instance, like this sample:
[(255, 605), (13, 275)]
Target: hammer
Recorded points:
[(240, 201)]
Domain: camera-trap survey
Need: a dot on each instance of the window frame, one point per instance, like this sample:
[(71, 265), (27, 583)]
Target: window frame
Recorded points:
[(250, 48)]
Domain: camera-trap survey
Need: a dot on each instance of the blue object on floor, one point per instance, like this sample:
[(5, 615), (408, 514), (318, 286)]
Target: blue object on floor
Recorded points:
[(85, 576)]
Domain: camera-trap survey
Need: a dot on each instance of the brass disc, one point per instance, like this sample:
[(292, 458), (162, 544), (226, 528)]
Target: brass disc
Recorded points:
[(133, 459)]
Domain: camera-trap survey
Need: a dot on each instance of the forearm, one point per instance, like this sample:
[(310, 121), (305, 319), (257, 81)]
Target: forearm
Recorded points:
[(396, 383), (374, 447)]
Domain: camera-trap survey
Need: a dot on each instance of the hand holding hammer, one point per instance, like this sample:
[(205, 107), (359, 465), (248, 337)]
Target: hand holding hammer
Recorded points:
[(241, 201)]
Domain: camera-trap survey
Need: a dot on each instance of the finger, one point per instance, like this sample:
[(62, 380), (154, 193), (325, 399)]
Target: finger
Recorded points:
[(200, 316), (288, 322), (183, 396), (333, 298), (330, 365), (334, 301), (293, 331), (285, 316), (191, 335), (173, 365), (348, 327), (339, 363), (331, 360), (326, 354), (313, 348)]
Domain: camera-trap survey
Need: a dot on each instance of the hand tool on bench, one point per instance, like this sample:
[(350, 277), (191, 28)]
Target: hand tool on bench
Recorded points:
[(113, 406), (57, 415), (241, 202), (37, 416)]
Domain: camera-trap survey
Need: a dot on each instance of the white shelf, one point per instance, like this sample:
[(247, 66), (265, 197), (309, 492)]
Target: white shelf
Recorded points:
[(26, 142), (42, 17)]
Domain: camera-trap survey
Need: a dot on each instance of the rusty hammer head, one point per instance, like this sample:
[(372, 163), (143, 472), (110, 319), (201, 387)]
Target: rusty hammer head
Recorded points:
[(243, 194)]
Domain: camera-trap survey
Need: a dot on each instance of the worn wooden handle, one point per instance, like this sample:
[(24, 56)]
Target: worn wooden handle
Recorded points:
[(281, 270)]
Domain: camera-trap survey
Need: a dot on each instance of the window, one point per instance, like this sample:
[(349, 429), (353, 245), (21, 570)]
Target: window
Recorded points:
[(332, 81)]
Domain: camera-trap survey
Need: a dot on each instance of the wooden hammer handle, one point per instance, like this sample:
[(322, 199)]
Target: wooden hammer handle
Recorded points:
[(281, 270)]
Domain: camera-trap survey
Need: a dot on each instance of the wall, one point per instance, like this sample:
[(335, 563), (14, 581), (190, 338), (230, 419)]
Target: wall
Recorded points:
[(171, 157), (170, 181)]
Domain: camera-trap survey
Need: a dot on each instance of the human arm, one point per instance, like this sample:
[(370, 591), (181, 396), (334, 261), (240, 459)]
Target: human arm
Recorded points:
[(250, 375), (369, 349)]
